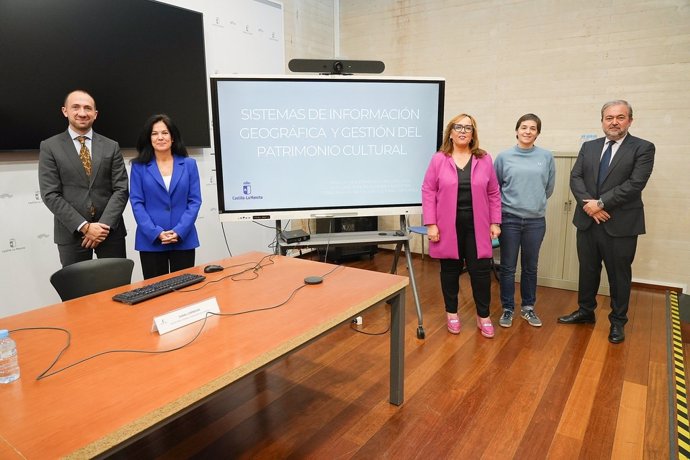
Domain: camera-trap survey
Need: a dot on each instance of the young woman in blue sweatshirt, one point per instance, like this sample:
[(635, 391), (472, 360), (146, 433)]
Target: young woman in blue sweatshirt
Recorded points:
[(526, 174)]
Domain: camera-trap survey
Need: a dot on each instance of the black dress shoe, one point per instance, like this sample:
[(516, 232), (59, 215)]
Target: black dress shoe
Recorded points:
[(578, 317), (617, 335)]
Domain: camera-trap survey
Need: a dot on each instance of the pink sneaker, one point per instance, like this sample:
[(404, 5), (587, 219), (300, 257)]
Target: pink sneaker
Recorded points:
[(453, 324), (486, 327)]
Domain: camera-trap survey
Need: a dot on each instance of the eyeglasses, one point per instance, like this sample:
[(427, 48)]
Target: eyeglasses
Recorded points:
[(463, 128)]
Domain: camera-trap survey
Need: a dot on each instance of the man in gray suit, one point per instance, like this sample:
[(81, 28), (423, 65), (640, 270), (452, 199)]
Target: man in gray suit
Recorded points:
[(84, 183), (607, 180)]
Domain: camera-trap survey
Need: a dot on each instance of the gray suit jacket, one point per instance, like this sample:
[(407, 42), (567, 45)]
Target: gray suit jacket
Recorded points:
[(622, 188), (70, 194)]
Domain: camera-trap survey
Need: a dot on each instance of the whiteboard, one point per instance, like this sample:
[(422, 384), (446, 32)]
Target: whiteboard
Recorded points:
[(240, 36)]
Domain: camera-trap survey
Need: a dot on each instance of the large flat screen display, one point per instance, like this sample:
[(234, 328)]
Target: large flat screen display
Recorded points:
[(326, 146), (136, 57)]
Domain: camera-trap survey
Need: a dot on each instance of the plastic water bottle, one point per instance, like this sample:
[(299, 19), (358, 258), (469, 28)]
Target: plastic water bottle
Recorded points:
[(9, 364)]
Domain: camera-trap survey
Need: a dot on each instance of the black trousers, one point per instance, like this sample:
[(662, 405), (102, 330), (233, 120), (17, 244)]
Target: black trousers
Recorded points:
[(479, 269), (110, 248), (594, 245), (163, 262)]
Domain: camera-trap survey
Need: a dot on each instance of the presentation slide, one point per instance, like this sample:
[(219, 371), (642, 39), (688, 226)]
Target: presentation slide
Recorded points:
[(317, 144)]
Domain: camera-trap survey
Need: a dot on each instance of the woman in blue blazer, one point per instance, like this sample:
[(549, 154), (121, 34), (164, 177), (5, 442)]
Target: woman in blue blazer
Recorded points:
[(166, 196)]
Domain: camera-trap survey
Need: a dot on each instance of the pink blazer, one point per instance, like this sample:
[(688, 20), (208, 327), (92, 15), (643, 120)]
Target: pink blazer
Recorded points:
[(440, 201)]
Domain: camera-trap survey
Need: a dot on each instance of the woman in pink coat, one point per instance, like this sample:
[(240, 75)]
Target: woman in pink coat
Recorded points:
[(461, 203)]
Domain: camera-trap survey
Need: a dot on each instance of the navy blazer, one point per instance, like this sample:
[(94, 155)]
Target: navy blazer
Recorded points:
[(622, 188), (157, 209)]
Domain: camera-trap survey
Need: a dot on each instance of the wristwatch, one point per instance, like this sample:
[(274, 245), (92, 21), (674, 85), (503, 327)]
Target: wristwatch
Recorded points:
[(600, 203)]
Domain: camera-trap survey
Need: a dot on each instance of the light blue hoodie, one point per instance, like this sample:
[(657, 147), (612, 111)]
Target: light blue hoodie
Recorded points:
[(526, 178)]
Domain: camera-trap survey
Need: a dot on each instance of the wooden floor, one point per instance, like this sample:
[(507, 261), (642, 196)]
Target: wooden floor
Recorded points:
[(559, 391)]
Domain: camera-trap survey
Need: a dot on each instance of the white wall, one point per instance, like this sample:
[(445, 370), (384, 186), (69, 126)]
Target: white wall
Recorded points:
[(561, 60)]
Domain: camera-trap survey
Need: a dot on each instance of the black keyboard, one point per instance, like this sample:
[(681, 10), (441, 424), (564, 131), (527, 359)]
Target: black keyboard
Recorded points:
[(159, 288)]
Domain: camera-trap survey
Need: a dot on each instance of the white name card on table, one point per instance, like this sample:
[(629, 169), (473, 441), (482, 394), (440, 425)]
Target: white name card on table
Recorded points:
[(184, 316)]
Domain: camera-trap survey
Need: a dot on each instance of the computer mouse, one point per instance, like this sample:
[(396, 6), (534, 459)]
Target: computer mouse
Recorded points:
[(212, 268)]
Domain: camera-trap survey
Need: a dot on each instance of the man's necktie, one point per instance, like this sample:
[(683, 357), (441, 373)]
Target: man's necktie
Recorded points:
[(604, 163), (85, 155)]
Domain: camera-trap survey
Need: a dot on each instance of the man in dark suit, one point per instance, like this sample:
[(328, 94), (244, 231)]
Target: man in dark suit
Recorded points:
[(607, 180), (84, 183)]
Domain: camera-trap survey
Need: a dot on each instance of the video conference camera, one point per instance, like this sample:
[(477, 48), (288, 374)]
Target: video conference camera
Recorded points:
[(335, 66)]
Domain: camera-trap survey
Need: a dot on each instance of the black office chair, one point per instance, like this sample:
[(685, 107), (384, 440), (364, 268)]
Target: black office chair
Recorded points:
[(90, 276)]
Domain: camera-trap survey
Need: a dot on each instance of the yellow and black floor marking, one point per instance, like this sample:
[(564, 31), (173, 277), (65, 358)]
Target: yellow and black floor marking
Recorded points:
[(682, 425)]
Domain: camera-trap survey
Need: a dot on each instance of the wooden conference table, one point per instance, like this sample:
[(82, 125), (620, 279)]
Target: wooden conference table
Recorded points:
[(106, 402)]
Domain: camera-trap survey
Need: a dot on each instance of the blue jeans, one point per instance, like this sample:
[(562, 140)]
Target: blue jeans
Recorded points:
[(525, 236)]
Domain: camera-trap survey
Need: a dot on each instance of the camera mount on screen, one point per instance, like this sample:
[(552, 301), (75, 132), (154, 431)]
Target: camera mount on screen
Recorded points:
[(335, 66)]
